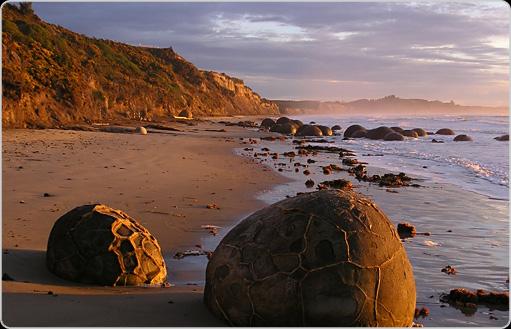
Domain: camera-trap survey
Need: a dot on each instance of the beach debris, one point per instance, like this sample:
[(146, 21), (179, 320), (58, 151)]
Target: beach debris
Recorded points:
[(22, 201), (289, 154), (327, 170), (422, 312), (7, 277), (406, 230), (306, 172), (322, 148), (391, 190), (213, 229), (265, 256), (309, 183), (462, 138), (340, 184), (212, 206), (430, 243), (349, 162), (47, 195), (161, 127), (309, 161), (449, 270), (248, 149), (191, 252), (468, 300), (503, 138), (113, 247), (297, 170), (417, 325)]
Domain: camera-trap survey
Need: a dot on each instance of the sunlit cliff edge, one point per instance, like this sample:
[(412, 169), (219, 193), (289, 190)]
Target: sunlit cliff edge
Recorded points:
[(53, 76)]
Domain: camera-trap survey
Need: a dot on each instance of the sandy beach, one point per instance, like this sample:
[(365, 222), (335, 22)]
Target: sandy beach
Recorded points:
[(165, 180)]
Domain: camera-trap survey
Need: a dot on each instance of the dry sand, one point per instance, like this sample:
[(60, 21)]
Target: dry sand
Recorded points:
[(165, 180)]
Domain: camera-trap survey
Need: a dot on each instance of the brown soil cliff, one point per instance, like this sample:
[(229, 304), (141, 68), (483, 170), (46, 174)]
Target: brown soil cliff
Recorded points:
[(52, 76)]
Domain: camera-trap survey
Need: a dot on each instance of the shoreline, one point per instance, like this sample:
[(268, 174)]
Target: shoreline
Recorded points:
[(262, 177)]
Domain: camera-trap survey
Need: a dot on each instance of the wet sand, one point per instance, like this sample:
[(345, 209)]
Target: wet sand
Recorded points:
[(467, 230), (164, 179)]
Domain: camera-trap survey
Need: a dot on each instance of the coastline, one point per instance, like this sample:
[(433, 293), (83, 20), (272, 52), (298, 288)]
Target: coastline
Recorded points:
[(214, 156)]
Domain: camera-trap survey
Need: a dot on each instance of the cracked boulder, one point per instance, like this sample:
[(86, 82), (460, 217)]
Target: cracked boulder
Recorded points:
[(326, 258), (100, 245)]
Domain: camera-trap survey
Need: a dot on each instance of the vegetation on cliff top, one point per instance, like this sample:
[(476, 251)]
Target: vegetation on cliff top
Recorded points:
[(53, 76)]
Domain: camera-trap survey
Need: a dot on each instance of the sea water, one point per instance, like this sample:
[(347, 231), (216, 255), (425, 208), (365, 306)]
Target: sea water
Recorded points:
[(480, 166)]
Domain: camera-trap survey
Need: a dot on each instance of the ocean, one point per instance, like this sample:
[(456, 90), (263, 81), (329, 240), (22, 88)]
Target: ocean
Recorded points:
[(480, 166)]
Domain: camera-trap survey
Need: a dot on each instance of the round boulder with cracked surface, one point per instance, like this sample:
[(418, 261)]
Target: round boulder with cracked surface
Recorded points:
[(98, 244), (326, 258)]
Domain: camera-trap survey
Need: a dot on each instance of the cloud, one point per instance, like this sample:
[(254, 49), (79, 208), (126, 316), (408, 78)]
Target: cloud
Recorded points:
[(444, 50)]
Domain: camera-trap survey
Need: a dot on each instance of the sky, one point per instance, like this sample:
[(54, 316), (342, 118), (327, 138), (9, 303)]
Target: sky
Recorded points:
[(436, 50)]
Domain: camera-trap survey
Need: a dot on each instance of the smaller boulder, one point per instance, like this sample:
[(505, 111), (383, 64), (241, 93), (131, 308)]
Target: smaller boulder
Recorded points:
[(420, 132), (336, 127), (282, 120), (397, 129), (503, 138), (325, 130), (141, 131), (410, 133), (393, 136), (352, 129), (186, 114), (462, 138), (309, 130), (267, 123), (444, 131)]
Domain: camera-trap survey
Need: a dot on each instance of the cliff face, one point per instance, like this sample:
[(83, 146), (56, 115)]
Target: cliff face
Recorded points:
[(52, 76)]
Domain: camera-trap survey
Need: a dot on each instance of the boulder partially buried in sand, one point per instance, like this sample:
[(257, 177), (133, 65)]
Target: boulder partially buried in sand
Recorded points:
[(462, 138), (420, 132), (445, 131), (186, 114), (503, 138), (325, 130), (141, 131), (326, 258), (98, 244), (410, 133)]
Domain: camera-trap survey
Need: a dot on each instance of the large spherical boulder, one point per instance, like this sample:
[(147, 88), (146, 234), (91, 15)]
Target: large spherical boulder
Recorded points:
[(420, 132), (98, 244), (282, 120), (284, 128), (325, 130), (444, 131), (462, 138), (309, 130), (186, 114), (393, 136), (267, 123), (327, 258), (378, 133), (410, 133), (351, 129)]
